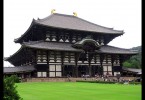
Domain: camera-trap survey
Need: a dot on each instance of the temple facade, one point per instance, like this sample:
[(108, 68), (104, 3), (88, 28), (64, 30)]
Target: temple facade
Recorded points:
[(61, 45)]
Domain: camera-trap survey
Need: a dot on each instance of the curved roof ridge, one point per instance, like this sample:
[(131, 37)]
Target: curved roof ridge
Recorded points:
[(76, 19), (108, 48), (48, 17), (99, 25), (14, 53), (45, 18), (31, 25), (118, 47)]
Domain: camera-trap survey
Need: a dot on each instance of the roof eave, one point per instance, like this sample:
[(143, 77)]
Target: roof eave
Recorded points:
[(17, 40), (52, 49), (121, 32), (7, 59), (116, 53)]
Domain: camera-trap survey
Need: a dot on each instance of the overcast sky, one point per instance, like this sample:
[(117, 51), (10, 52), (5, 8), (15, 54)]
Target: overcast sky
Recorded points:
[(118, 14)]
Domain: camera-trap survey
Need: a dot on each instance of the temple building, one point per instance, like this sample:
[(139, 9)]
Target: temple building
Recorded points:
[(61, 45)]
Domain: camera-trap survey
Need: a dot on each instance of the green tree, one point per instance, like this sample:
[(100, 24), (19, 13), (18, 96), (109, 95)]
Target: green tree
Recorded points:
[(127, 64), (136, 60), (10, 92)]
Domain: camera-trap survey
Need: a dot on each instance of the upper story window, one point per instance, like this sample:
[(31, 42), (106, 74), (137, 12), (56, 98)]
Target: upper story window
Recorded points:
[(47, 37), (66, 38), (50, 36), (74, 39), (61, 38), (53, 37), (41, 56)]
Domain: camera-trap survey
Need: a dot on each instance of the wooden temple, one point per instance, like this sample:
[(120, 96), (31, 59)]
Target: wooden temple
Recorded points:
[(61, 45)]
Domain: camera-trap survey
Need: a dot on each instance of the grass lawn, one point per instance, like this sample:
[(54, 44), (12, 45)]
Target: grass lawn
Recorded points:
[(77, 91)]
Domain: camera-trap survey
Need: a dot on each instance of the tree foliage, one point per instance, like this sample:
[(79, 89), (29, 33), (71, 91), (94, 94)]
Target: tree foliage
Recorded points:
[(136, 60), (10, 92)]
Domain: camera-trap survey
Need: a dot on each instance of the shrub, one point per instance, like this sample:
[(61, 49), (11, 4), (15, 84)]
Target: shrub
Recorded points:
[(15, 78), (10, 92)]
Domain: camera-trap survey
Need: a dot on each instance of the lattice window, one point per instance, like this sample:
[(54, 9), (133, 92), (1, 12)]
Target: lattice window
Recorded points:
[(117, 61), (55, 71), (52, 68), (41, 74), (53, 37), (66, 58), (44, 56), (109, 68), (51, 74), (104, 68), (39, 57), (47, 36), (105, 60), (58, 74), (58, 67), (52, 57), (93, 60), (97, 58), (72, 57), (109, 59), (58, 57), (67, 38), (61, 38), (74, 39)]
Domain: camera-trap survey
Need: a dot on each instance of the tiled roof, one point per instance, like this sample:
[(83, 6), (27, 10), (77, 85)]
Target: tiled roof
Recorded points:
[(68, 47), (19, 69), (75, 23), (115, 50), (57, 46), (138, 71), (51, 46), (69, 22)]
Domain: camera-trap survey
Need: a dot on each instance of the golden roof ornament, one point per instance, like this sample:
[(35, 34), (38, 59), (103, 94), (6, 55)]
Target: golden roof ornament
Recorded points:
[(52, 11), (75, 14)]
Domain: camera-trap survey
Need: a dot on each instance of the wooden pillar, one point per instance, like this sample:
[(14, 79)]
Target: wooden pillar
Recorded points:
[(62, 62), (73, 73), (101, 61), (121, 63), (95, 59), (90, 68), (112, 61), (76, 64), (47, 56), (35, 57)]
